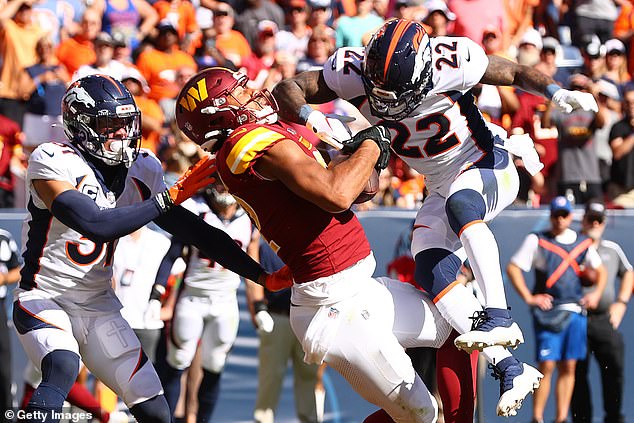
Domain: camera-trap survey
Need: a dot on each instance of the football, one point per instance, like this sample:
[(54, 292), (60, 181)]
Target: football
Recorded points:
[(371, 187)]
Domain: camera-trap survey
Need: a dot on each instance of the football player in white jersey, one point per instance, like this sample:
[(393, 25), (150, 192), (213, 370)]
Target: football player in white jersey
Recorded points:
[(84, 194), (420, 87), (207, 307)]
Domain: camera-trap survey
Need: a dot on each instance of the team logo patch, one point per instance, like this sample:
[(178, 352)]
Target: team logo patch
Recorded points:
[(79, 94), (333, 313)]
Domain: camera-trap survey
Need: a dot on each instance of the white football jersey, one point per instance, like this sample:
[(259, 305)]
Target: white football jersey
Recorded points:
[(136, 262), (446, 132), (58, 260), (204, 276)]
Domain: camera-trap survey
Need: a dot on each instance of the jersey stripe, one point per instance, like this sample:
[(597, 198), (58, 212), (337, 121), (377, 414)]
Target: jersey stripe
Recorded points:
[(39, 227), (247, 149), (399, 30), (480, 133)]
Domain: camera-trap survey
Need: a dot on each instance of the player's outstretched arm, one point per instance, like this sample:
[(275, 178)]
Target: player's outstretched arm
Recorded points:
[(215, 243), (305, 88), (501, 71)]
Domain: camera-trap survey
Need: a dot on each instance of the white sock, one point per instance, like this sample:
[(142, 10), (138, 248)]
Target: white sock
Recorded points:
[(484, 258), (457, 305), (495, 354)]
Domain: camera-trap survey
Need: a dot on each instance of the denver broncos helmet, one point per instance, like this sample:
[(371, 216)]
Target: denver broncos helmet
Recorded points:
[(216, 101), (397, 69), (98, 108)]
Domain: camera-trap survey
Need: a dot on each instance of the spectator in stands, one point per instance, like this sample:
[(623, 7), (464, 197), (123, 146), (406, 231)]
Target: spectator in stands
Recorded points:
[(104, 62), (321, 45), (158, 64), (605, 342), (474, 16), (230, 43), (153, 118), (258, 64), (621, 187), (42, 85), (624, 29), (182, 15), (438, 18), (207, 54), (183, 74), (277, 348), (593, 60), (593, 18), (608, 97), (79, 50), (284, 66), (350, 30), (294, 37), (59, 18), (320, 13), (557, 301), (19, 36), (551, 50), (10, 157), (577, 159), (529, 47), (136, 263), (10, 263), (616, 63), (135, 19), (256, 11)]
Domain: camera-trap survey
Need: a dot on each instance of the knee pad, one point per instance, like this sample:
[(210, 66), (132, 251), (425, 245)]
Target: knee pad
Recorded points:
[(463, 207), (59, 371), (154, 410), (436, 268)]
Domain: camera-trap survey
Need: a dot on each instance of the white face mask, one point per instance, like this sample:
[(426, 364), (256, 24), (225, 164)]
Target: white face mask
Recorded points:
[(118, 153), (266, 115)]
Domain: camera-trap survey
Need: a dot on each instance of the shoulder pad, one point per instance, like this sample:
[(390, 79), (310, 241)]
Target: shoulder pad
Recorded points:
[(342, 72), (246, 144), (458, 63)]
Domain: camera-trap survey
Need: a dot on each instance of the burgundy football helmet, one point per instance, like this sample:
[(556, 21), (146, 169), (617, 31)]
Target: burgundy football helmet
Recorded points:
[(207, 110)]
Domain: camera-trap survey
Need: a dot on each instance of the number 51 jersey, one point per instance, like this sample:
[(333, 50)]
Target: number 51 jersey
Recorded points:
[(446, 133), (59, 261)]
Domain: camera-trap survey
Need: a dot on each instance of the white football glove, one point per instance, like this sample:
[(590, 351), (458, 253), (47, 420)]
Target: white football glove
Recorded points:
[(330, 130), (568, 100), (152, 315), (264, 321)]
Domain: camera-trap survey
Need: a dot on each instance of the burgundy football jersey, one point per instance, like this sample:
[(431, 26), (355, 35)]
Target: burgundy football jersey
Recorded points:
[(311, 241)]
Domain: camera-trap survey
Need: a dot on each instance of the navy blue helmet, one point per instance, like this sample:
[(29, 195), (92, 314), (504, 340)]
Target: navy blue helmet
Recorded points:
[(99, 108), (397, 69)]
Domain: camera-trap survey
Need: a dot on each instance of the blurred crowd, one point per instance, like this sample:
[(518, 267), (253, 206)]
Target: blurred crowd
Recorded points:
[(155, 46)]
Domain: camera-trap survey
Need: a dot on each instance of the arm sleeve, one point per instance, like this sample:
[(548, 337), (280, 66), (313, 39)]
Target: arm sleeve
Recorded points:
[(165, 268), (215, 243), (79, 212)]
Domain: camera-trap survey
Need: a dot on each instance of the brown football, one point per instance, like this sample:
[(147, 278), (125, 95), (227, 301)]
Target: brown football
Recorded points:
[(371, 187)]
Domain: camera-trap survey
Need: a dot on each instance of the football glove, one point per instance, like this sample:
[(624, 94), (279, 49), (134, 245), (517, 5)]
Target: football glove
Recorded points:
[(330, 130), (196, 177), (279, 280), (152, 315), (263, 319), (568, 100), (380, 135)]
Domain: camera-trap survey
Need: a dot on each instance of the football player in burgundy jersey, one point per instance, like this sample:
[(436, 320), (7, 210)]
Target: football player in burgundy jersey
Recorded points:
[(85, 193), (340, 314), (420, 87)]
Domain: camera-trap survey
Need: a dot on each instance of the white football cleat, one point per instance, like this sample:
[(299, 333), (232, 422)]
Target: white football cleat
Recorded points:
[(490, 327), (517, 380)]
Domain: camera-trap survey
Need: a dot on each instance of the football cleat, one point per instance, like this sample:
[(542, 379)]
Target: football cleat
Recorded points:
[(492, 326), (517, 380)]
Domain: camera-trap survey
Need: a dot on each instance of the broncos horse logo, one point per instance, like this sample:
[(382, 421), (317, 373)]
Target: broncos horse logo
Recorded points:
[(79, 94)]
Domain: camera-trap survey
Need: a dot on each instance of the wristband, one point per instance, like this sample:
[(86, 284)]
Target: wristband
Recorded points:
[(164, 201), (157, 292), (304, 112), (551, 89), (259, 306)]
